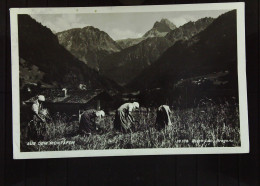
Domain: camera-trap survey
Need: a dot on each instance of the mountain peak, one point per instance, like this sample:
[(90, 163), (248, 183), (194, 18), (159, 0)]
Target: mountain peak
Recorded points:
[(160, 28), (90, 28), (163, 20), (164, 25), (168, 23), (88, 44)]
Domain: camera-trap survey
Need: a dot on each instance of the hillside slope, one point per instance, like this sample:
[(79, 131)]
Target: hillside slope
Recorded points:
[(123, 66), (39, 49)]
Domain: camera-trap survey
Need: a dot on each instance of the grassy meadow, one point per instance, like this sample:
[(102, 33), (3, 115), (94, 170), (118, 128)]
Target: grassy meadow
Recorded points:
[(206, 125)]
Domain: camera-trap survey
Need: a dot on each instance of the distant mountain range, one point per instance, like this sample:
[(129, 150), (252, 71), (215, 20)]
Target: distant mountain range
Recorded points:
[(159, 29), (211, 51), (121, 61), (88, 44), (43, 60), (91, 45), (124, 66)]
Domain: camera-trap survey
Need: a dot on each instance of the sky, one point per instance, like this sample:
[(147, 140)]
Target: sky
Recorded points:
[(120, 25)]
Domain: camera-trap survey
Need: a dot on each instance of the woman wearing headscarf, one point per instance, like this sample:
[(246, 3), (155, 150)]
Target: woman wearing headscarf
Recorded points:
[(89, 120), (163, 116), (123, 118), (37, 126)]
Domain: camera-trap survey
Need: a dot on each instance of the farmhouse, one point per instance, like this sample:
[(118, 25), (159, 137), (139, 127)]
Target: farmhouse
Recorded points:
[(72, 101)]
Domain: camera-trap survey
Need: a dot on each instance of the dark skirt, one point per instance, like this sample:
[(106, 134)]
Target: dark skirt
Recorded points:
[(162, 119), (122, 122), (87, 122)]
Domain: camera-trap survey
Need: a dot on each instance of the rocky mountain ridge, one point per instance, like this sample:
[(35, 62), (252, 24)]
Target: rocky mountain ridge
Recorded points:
[(88, 44), (189, 29)]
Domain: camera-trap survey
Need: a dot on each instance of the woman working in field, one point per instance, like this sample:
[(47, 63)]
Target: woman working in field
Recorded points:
[(124, 119), (37, 126), (163, 117), (89, 120)]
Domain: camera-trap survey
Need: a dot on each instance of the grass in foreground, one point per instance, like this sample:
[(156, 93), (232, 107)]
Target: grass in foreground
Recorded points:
[(208, 125)]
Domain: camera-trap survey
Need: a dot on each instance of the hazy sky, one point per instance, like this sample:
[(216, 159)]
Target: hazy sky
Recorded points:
[(120, 25)]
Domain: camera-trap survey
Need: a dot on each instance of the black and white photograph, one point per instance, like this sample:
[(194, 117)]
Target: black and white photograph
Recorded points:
[(118, 81)]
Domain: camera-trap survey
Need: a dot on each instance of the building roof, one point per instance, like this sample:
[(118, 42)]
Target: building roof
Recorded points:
[(73, 96)]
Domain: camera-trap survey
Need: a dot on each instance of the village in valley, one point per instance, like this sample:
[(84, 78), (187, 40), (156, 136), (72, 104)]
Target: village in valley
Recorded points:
[(173, 87)]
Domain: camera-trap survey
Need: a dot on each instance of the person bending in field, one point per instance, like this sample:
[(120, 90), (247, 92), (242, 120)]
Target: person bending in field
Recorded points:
[(123, 118), (89, 121), (37, 126), (163, 117)]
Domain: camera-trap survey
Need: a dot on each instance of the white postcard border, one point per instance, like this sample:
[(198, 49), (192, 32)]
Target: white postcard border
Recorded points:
[(243, 111)]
